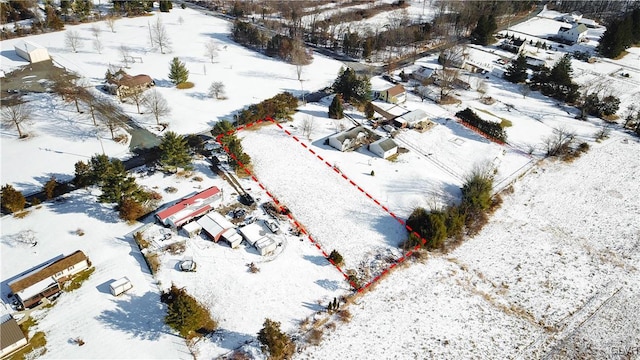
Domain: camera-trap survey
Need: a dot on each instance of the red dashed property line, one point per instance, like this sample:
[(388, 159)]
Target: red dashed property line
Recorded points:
[(346, 178)]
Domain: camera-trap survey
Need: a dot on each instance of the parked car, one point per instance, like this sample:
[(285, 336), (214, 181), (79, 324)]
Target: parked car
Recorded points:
[(272, 225), (188, 266), (238, 213)]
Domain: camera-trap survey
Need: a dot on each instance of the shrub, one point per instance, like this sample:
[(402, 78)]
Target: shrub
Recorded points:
[(170, 189), (186, 315), (373, 173), (153, 261), (130, 209), (429, 225), (315, 337), (185, 85), (344, 315), (275, 342), (336, 258), (11, 199)]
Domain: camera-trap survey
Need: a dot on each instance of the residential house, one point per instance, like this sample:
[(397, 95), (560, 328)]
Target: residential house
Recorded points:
[(124, 85), (513, 45), (412, 118), (395, 94), (190, 208), (352, 139), (574, 34), (45, 281), (384, 147), (388, 111), (424, 72), (31, 52), (11, 336)]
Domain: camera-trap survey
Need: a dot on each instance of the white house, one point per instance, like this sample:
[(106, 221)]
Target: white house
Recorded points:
[(31, 52), (190, 208), (45, 280), (425, 72), (574, 34), (351, 139), (384, 147), (414, 117), (11, 338)]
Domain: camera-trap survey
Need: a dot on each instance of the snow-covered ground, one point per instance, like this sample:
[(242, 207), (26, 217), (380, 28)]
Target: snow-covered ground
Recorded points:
[(60, 136), (552, 273)]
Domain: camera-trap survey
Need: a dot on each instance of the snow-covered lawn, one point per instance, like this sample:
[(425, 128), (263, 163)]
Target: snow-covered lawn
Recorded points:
[(554, 270), (124, 327)]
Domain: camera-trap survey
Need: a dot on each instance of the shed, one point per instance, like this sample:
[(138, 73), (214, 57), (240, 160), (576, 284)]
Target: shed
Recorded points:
[(384, 147), (31, 52), (12, 337), (192, 229), (214, 225), (266, 245), (120, 286), (253, 233), (232, 237)]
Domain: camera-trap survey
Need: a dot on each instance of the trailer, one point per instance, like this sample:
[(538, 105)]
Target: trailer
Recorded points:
[(120, 286)]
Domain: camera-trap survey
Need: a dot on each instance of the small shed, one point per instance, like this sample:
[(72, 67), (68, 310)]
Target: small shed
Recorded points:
[(384, 147), (31, 52), (192, 229), (266, 246), (232, 237), (253, 232), (12, 337), (215, 224), (120, 286)]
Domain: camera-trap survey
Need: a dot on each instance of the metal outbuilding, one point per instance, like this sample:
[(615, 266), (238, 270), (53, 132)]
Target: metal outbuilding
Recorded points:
[(31, 52)]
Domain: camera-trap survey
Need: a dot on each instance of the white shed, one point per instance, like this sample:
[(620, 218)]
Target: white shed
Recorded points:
[(384, 147), (266, 246), (120, 286), (192, 229), (31, 52), (232, 237)]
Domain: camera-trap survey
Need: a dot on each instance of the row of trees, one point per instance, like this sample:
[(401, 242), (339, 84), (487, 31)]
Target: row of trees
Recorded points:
[(556, 82), (621, 33), (490, 128), (436, 225), (226, 133), (279, 107)]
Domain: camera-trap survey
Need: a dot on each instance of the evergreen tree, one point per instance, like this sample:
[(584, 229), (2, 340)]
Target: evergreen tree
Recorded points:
[(83, 176), (273, 340), (178, 72), (12, 200), (165, 5), (336, 110), (185, 314), (483, 32), (353, 88), (174, 151), (517, 71)]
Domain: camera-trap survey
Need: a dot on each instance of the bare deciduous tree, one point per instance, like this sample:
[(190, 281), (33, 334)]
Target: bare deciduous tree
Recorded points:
[(95, 30), (126, 57), (156, 104), (216, 90), (72, 40), (16, 114), (160, 37), (211, 50), (446, 81), (137, 97), (97, 45), (111, 23), (308, 126), (525, 90), (559, 142), (109, 114)]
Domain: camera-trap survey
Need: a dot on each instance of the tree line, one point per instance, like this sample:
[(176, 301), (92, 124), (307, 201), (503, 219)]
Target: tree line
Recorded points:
[(620, 34)]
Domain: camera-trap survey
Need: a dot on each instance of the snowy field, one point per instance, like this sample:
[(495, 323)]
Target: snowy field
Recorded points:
[(551, 274)]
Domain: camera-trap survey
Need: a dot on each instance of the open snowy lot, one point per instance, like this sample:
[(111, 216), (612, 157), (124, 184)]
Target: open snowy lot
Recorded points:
[(551, 274)]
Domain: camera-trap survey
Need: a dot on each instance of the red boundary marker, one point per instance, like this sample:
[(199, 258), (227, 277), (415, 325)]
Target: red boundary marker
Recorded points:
[(348, 180)]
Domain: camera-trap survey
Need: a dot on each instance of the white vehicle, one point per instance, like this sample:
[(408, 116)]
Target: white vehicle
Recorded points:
[(188, 265), (272, 225)]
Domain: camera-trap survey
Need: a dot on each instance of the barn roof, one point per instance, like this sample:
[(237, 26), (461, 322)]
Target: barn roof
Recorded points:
[(396, 90), (46, 271), (10, 331), (189, 206)]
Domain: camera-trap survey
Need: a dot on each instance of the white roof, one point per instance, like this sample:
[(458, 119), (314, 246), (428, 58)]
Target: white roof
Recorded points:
[(36, 288), (414, 116), (27, 46), (192, 226), (392, 109), (253, 232), (265, 243), (214, 223), (232, 235), (119, 282)]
